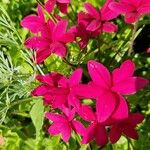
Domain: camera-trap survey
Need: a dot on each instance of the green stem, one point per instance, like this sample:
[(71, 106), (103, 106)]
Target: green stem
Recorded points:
[(72, 10), (39, 69), (20, 101), (36, 65), (113, 58), (25, 115), (135, 26), (98, 45), (68, 63), (69, 17), (49, 14)]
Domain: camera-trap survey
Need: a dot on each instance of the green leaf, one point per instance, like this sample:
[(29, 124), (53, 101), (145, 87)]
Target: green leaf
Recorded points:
[(37, 116)]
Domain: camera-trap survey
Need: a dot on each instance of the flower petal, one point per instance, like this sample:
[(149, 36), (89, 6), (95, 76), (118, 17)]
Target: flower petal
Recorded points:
[(86, 91), (144, 10), (131, 132), (47, 30), (89, 134), (40, 90), (126, 70), (40, 13), (66, 132), (54, 129), (115, 134), (42, 54), (34, 23), (50, 79), (101, 136), (99, 74), (55, 117), (73, 101), (93, 25), (110, 27), (48, 99), (67, 38), (135, 119), (59, 100), (122, 110), (78, 127), (75, 77), (130, 86), (87, 113), (132, 17), (49, 5), (58, 49), (63, 1), (59, 30), (121, 7), (36, 42), (107, 13), (63, 7), (92, 10), (106, 105)]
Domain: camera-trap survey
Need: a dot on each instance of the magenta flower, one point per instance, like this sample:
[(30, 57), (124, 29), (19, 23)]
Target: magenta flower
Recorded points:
[(148, 50), (62, 5), (112, 87), (97, 21), (35, 23), (50, 83), (57, 89), (52, 40), (64, 123), (133, 9), (80, 31), (126, 127), (108, 89)]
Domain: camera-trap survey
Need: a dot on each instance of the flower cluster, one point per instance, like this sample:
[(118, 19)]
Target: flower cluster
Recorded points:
[(109, 117), (106, 89)]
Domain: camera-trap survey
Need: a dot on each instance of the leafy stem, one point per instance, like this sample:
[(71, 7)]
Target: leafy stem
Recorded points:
[(68, 63), (20, 102), (135, 26), (49, 14)]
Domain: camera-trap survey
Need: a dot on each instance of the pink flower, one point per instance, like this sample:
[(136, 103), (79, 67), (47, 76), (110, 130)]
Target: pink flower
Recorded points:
[(52, 40), (80, 31), (133, 9), (108, 89), (35, 23), (63, 124), (148, 50), (62, 4), (57, 89), (126, 127), (97, 21), (49, 84)]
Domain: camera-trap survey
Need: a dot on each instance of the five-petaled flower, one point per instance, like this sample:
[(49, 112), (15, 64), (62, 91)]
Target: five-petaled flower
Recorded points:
[(94, 22), (57, 89), (52, 41), (108, 89), (63, 123), (97, 21), (133, 9), (126, 127)]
